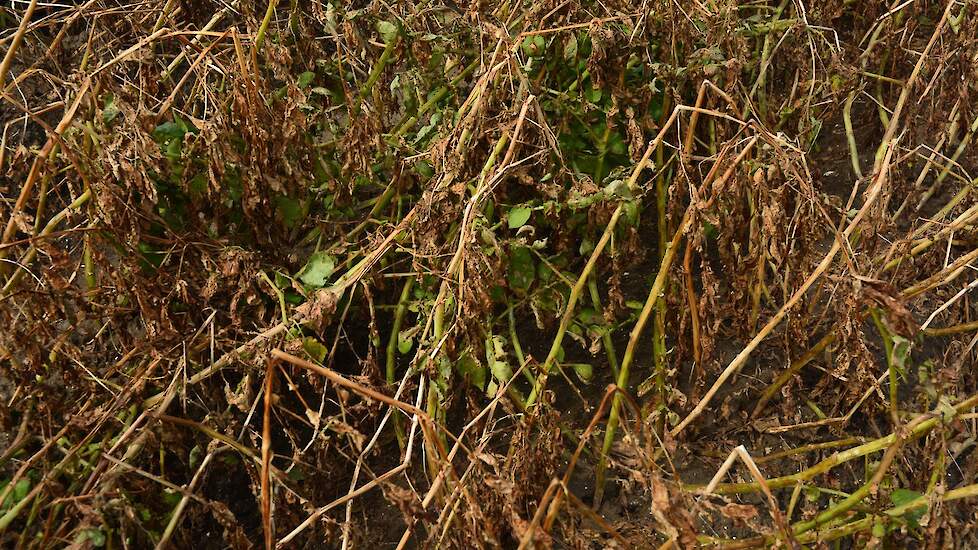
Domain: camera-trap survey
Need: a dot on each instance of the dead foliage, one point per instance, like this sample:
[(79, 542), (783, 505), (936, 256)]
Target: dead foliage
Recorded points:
[(447, 230)]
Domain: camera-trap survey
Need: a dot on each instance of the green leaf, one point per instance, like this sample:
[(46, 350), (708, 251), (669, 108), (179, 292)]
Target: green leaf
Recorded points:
[(428, 129), (584, 371), (314, 348), (195, 455), (171, 497), (387, 30), (150, 258), (501, 371), (632, 210), (471, 369), (899, 353), (110, 110), (174, 147), (318, 269), (306, 78), (291, 210), (586, 246), (518, 216), (404, 343), (710, 231), (593, 95), (522, 271), (94, 536), (879, 528), (22, 488), (900, 497), (533, 45), (424, 169), (169, 131)]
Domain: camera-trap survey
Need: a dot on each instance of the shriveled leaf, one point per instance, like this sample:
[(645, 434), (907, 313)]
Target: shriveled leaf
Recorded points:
[(110, 111), (570, 48), (739, 511)]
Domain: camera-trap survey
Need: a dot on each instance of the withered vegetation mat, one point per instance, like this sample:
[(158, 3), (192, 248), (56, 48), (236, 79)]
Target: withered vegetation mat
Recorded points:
[(533, 274)]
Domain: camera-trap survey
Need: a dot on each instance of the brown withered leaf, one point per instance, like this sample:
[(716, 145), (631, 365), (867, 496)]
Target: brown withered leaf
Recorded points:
[(887, 297), (739, 512), (319, 309)]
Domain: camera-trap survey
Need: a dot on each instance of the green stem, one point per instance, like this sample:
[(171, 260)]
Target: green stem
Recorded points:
[(48, 229), (399, 313), (887, 337), (578, 287), (849, 454), (90, 280), (517, 347), (439, 94), (260, 37), (609, 346), (851, 136), (659, 364), (654, 295), (377, 71)]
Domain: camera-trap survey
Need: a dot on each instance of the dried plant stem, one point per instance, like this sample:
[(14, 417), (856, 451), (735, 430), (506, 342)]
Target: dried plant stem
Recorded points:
[(961, 148), (947, 137), (579, 285), (920, 427), (266, 457), (966, 218), (177, 514), (881, 171), (53, 223), (655, 293), (775, 320), (792, 369), (940, 278), (8, 58), (741, 452), (955, 329), (39, 162)]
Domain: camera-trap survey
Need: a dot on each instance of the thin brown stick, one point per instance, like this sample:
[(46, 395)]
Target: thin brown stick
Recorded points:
[(8, 58), (39, 161), (266, 456)]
